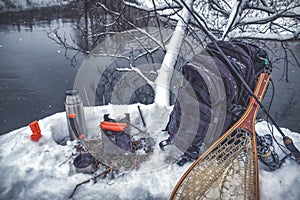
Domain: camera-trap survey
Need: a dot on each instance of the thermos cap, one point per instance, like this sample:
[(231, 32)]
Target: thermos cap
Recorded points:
[(72, 97), (71, 92)]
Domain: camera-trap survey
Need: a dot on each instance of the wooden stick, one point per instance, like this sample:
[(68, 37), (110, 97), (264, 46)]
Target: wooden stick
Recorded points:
[(86, 181)]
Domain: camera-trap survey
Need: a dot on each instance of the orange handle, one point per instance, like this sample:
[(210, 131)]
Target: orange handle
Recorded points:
[(112, 127), (114, 124)]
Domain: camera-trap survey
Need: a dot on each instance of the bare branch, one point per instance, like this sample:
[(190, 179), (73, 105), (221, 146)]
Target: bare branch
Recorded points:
[(200, 21), (294, 56), (217, 7), (151, 51), (285, 64), (62, 41), (133, 25)]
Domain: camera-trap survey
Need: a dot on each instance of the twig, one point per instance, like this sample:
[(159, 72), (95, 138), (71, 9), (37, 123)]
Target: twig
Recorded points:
[(142, 117), (65, 161), (294, 56), (285, 64), (86, 181), (131, 24)]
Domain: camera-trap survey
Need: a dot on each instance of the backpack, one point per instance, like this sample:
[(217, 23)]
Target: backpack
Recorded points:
[(211, 99)]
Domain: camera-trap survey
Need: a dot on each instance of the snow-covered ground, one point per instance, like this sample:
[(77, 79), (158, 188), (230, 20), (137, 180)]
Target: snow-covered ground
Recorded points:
[(15, 5), (36, 170)]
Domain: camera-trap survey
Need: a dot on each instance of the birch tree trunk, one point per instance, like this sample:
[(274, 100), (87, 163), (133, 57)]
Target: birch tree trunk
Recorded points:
[(162, 83)]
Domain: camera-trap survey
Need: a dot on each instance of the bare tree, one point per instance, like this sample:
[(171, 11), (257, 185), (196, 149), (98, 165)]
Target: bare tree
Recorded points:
[(259, 20)]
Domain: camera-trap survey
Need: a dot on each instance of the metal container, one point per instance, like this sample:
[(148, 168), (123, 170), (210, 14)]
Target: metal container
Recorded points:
[(74, 105), (85, 163)]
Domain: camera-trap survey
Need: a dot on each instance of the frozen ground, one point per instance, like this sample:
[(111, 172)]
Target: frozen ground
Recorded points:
[(34, 170)]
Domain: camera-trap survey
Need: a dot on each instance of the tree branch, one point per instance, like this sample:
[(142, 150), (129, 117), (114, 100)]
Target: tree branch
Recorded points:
[(139, 72), (158, 24), (154, 9), (270, 18), (216, 6), (200, 21), (285, 64), (234, 17), (133, 25), (270, 36)]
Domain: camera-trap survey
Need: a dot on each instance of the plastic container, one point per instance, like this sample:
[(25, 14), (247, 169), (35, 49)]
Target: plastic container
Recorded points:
[(74, 105), (36, 131)]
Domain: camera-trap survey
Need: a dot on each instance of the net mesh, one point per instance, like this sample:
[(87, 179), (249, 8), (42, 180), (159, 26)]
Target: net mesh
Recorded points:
[(227, 172)]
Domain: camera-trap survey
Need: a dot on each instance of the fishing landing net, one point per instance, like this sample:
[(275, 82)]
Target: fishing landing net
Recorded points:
[(228, 169), (225, 173)]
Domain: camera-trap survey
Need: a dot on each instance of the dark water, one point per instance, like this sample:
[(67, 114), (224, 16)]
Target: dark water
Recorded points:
[(286, 102), (34, 71)]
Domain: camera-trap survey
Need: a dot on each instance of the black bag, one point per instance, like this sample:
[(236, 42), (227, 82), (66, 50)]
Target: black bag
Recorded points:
[(199, 114)]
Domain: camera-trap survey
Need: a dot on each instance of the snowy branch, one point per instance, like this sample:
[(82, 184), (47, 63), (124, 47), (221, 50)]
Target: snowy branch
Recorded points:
[(234, 17), (161, 7), (270, 18), (288, 12), (139, 72), (275, 21), (272, 37)]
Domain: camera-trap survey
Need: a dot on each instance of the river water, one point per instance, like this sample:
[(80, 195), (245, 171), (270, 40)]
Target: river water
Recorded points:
[(35, 72)]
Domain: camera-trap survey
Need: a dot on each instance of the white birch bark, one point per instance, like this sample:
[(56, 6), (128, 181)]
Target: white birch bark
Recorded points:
[(162, 92)]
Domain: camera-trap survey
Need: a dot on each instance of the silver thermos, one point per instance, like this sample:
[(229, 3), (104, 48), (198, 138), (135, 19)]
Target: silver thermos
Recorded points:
[(75, 115)]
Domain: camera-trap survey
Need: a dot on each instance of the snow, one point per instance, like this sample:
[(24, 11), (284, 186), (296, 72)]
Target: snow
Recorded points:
[(20, 5), (36, 170)]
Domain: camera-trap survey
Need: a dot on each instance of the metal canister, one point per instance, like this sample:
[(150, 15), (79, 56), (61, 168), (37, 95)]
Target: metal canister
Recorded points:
[(74, 105), (85, 163)]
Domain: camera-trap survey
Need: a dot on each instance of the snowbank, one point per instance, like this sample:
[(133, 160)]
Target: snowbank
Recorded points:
[(17, 5), (37, 170)]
